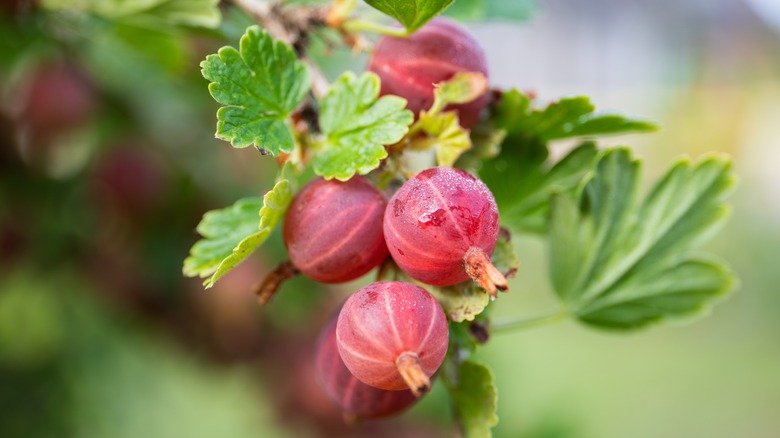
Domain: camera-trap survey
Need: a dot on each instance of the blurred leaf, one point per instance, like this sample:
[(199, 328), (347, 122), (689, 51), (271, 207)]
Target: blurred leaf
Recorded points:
[(260, 86), (31, 322), (484, 10), (413, 14), (504, 256), (621, 264), (204, 13), (524, 202), (357, 126), (446, 135), (232, 233), (475, 399)]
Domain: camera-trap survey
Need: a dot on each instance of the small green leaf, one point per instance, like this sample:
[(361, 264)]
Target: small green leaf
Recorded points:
[(447, 136), (461, 88), (475, 399), (484, 10), (232, 233), (260, 86), (522, 181), (357, 125), (463, 301), (620, 263), (412, 14)]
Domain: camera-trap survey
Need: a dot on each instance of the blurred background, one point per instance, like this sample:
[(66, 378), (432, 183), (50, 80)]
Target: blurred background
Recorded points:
[(108, 160)]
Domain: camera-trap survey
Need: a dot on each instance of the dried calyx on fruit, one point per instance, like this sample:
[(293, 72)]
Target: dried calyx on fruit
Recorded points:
[(393, 335), (333, 229), (441, 228), (409, 67), (356, 399)]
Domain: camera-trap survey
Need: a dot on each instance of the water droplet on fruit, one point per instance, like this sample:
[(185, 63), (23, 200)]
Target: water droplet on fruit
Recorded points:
[(435, 219)]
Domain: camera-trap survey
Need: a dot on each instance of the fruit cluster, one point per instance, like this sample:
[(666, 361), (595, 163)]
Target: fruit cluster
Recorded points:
[(440, 228)]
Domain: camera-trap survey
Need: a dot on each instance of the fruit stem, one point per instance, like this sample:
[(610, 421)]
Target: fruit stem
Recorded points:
[(480, 269), (266, 289), (410, 367)]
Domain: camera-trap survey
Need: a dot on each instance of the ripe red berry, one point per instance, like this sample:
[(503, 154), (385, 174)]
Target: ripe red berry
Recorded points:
[(441, 227), (409, 67), (356, 399), (393, 335), (333, 229)]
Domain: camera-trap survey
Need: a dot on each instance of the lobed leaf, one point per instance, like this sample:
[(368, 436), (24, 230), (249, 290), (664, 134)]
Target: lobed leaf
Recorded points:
[(461, 302), (231, 234), (620, 263), (357, 124), (259, 85), (475, 399), (412, 14)]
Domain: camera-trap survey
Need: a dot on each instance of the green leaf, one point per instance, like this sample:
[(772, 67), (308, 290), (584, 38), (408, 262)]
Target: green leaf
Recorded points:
[(203, 13), (475, 399), (461, 88), (620, 263), (483, 10), (522, 181), (412, 14), (569, 117), (260, 86), (447, 136), (357, 125), (232, 233), (504, 256)]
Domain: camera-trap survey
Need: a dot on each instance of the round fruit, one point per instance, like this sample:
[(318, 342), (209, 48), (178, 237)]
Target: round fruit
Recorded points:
[(409, 67), (356, 399), (333, 229), (441, 227), (392, 335)]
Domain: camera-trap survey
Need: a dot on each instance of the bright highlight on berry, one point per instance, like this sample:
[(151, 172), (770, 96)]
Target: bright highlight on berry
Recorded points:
[(441, 228)]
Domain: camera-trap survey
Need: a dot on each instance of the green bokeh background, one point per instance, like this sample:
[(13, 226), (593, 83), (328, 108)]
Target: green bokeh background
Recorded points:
[(101, 336)]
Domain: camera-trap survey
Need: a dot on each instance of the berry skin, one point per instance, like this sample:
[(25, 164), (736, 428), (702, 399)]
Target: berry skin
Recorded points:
[(356, 399), (409, 67), (441, 227), (333, 229), (392, 335)]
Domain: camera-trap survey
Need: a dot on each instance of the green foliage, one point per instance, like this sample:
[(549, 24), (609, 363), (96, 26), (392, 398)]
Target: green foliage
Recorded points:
[(357, 125), (621, 264), (474, 398), (524, 154), (524, 203), (569, 117), (412, 14), (489, 10), (461, 302), (462, 88), (203, 13), (232, 234), (260, 86)]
